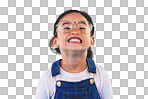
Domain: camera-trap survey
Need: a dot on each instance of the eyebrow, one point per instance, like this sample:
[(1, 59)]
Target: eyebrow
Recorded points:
[(66, 23), (82, 22)]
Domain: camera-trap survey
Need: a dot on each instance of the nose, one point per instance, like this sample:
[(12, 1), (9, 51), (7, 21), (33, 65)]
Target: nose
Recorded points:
[(75, 33), (75, 30)]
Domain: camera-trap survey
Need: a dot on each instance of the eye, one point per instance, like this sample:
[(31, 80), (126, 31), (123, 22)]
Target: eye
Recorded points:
[(67, 28), (82, 28)]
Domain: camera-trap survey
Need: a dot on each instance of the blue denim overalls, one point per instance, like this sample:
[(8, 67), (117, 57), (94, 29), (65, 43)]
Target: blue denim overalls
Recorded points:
[(85, 89)]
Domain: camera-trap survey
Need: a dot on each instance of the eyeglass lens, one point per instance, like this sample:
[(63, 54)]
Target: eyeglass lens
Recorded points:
[(67, 26)]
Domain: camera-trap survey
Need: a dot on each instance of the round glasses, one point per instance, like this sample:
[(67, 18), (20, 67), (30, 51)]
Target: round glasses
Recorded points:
[(66, 26)]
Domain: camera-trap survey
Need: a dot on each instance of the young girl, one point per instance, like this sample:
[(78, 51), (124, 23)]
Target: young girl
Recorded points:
[(75, 76)]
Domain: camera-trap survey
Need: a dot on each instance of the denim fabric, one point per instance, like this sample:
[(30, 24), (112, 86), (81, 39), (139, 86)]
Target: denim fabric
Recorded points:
[(77, 90)]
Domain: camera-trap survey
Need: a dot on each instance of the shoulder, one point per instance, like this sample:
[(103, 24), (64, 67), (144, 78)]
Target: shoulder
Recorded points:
[(46, 76), (47, 81), (100, 69), (43, 91), (101, 72), (105, 83)]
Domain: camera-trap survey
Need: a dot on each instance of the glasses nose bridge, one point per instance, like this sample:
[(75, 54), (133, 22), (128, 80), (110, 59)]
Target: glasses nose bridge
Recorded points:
[(75, 26)]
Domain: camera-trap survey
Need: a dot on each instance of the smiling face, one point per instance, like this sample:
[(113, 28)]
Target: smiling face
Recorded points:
[(62, 38)]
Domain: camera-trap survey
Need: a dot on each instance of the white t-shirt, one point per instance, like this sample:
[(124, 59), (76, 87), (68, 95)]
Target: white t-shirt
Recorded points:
[(47, 84)]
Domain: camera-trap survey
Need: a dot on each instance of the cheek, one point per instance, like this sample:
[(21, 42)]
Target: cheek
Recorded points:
[(88, 39), (61, 39)]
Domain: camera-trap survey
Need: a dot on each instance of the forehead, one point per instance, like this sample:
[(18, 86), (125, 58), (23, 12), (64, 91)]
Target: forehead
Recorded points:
[(74, 17)]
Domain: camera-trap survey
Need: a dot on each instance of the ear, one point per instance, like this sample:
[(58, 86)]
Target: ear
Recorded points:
[(92, 42), (55, 42)]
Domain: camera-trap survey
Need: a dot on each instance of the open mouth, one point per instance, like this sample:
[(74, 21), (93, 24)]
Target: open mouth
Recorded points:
[(74, 40)]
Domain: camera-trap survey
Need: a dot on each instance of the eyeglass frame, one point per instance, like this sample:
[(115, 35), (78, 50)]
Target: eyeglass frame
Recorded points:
[(90, 25)]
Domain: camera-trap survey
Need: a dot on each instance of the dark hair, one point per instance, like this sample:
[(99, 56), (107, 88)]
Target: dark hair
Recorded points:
[(57, 50)]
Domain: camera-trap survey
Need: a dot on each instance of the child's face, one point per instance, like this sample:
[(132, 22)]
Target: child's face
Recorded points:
[(62, 38)]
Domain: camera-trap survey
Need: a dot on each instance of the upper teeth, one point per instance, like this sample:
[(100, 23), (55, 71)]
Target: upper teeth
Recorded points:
[(74, 40)]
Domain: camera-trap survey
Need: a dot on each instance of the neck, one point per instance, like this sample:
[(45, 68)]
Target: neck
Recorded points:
[(74, 62)]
